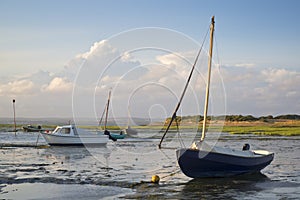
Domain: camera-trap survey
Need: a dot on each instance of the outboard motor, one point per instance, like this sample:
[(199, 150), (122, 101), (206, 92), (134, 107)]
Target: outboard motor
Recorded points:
[(246, 147)]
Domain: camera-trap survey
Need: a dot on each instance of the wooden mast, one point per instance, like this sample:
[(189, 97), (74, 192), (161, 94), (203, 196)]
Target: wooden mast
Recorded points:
[(212, 27), (107, 106), (14, 108)]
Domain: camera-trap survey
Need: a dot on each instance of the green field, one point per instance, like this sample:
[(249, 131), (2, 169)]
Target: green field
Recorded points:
[(264, 130), (283, 128), (258, 129)]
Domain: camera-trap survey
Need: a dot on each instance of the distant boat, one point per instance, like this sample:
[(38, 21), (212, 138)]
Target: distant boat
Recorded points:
[(202, 160), (112, 136), (130, 131), (70, 135), (117, 136), (30, 128)]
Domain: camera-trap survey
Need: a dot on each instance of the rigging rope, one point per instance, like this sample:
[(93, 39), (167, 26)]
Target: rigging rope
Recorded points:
[(100, 121), (183, 93), (107, 107), (105, 111)]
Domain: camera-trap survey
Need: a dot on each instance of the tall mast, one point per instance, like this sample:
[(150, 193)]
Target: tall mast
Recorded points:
[(14, 101), (212, 27), (107, 106)]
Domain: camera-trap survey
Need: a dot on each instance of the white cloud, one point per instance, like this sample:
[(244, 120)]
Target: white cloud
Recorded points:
[(281, 82), (245, 65), (281, 77), (100, 48), (292, 94), (169, 59), (241, 65), (261, 91), (157, 80), (17, 87), (126, 56), (58, 84), (180, 61)]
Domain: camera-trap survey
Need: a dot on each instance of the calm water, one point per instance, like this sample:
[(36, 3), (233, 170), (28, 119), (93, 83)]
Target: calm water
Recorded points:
[(123, 169)]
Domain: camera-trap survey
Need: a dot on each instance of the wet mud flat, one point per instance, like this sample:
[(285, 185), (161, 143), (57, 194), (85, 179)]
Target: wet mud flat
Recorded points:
[(123, 170)]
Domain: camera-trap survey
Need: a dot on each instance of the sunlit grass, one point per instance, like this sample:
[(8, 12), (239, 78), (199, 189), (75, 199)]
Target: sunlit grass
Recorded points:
[(263, 130), (284, 128)]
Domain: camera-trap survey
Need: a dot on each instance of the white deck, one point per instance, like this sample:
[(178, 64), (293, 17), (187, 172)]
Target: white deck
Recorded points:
[(203, 146)]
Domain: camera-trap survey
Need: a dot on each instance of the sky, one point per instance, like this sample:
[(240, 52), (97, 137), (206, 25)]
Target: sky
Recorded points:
[(60, 58)]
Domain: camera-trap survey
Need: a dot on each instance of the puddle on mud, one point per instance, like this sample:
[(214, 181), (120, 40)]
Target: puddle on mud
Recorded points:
[(122, 170)]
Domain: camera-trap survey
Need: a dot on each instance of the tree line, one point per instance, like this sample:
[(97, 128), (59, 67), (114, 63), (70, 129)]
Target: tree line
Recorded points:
[(238, 118)]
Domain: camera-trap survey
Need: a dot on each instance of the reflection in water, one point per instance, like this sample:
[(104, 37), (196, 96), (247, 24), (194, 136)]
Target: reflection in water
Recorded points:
[(78, 156), (130, 165), (223, 187), (71, 153), (61, 153)]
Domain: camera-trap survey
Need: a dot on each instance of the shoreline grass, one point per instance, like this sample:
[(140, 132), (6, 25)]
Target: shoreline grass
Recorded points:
[(281, 128), (263, 130)]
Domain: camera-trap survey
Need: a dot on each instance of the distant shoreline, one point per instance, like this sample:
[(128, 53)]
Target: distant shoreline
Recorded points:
[(271, 128)]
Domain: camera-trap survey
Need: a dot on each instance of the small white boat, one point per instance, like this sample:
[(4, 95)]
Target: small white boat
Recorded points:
[(70, 135), (130, 131)]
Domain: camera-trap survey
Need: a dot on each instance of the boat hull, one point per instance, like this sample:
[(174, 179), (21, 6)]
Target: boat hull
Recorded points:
[(131, 131), (30, 128), (199, 164), (117, 136), (60, 140)]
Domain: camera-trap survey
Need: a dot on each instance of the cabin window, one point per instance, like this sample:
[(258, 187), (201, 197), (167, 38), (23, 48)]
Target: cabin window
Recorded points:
[(65, 131)]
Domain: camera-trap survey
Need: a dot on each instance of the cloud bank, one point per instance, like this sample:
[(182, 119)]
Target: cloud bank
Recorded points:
[(148, 83)]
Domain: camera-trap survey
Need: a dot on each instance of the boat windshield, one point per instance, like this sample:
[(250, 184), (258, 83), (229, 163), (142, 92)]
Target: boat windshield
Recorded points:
[(63, 130)]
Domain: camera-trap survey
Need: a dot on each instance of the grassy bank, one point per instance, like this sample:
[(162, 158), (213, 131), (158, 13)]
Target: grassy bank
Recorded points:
[(258, 128), (278, 127), (263, 130), (275, 127)]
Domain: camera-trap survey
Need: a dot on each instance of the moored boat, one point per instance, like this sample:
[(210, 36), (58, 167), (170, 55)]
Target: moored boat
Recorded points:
[(207, 161), (71, 135), (31, 128), (112, 136), (130, 131), (117, 136), (202, 160)]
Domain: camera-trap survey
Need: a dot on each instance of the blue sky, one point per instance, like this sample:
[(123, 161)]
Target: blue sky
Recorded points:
[(47, 35), (247, 30)]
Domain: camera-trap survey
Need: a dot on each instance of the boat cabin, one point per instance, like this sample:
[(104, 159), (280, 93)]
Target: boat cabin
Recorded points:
[(65, 130)]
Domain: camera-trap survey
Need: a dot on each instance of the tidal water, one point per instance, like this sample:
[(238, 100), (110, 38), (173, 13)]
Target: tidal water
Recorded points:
[(30, 169)]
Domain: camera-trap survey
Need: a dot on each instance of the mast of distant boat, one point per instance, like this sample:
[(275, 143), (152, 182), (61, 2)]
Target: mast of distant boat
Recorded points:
[(14, 108), (107, 107), (212, 27)]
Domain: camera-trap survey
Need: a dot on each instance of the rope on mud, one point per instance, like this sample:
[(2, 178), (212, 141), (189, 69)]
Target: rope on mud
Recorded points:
[(155, 178), (171, 174)]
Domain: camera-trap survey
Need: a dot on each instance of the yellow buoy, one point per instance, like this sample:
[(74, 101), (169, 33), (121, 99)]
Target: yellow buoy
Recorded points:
[(155, 179)]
